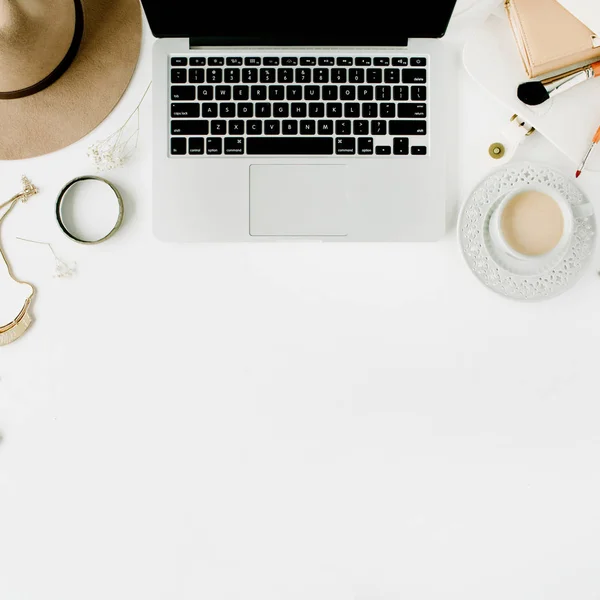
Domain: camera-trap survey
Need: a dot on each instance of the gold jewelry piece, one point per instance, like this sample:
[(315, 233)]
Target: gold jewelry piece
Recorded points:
[(16, 328)]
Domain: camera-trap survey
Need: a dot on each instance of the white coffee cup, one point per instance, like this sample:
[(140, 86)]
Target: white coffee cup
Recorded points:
[(569, 214)]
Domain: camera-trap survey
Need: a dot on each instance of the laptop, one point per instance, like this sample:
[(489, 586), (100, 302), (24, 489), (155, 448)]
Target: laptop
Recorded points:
[(317, 122)]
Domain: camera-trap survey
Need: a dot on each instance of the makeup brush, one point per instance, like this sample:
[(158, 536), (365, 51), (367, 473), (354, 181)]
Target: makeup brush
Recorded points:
[(537, 92), (588, 153)]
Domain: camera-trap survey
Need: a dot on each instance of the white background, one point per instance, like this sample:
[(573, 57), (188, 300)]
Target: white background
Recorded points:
[(292, 421)]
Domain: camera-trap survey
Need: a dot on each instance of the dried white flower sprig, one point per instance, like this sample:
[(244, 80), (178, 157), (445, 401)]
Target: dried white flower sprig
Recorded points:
[(62, 269), (115, 150)]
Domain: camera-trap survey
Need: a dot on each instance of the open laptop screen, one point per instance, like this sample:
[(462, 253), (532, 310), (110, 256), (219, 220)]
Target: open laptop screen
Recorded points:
[(307, 23)]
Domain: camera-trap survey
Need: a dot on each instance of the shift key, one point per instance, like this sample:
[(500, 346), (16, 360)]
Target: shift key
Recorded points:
[(408, 127), (189, 127)]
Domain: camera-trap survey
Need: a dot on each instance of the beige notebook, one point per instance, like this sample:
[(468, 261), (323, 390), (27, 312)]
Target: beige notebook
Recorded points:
[(549, 37)]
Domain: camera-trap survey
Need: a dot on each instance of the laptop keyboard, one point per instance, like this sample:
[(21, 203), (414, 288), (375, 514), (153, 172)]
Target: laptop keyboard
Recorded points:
[(298, 105)]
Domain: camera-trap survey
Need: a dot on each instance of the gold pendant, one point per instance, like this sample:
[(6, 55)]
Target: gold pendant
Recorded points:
[(13, 331)]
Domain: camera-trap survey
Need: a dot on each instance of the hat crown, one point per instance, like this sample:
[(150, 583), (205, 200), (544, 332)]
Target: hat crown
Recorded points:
[(35, 36)]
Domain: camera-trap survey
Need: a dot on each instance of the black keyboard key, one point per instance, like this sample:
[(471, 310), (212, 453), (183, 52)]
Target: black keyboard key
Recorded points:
[(250, 75), (391, 75), (418, 92), (345, 146), (198, 61), (330, 92), (303, 75), (281, 110), (185, 110), (227, 110), (179, 61), (178, 146), (365, 93), (321, 75), (356, 75), (383, 92), (418, 150), (309, 61), (254, 127), (245, 110), (214, 146), (223, 92), (196, 127), (316, 110), (241, 92), (236, 128), (267, 75), (205, 92), (271, 61), (216, 61), (361, 127), (289, 128), (378, 127), (339, 75), (365, 145), (418, 61), (235, 61), (400, 61), (289, 145), (400, 92), (414, 75), (369, 110), (343, 61), (400, 145), (412, 111), (178, 75), (258, 92), (408, 127), (308, 127), (299, 110), (334, 110), (276, 92), (289, 61), (210, 110), (232, 75), (347, 93), (294, 92), (374, 75), (343, 127), (325, 127), (196, 75), (387, 110), (363, 61), (352, 110), (252, 61), (381, 61), (263, 110), (384, 150), (326, 61), (285, 75), (218, 127), (196, 145), (312, 92), (214, 75)]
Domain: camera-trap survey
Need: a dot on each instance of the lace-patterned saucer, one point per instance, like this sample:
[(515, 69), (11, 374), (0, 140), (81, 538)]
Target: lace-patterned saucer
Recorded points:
[(493, 266)]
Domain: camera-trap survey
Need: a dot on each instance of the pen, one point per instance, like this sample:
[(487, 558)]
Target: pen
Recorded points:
[(588, 153)]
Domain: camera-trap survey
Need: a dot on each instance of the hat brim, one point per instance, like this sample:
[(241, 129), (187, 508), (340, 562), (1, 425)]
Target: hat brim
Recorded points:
[(86, 94)]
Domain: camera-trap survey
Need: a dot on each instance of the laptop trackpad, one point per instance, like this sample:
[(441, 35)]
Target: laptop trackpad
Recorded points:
[(298, 200)]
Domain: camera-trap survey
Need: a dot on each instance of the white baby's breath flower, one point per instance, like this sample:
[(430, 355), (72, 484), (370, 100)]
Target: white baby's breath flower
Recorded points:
[(62, 269), (115, 150)]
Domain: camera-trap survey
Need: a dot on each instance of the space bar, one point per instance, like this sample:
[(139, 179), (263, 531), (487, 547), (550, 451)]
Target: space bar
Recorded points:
[(289, 145)]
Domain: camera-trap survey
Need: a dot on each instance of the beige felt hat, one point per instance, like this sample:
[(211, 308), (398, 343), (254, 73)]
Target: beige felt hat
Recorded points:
[(64, 65)]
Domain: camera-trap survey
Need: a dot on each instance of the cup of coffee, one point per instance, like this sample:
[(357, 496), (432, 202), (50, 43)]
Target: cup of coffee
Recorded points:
[(534, 224)]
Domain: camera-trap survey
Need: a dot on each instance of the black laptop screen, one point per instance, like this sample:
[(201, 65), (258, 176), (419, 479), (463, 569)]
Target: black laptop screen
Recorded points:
[(297, 23)]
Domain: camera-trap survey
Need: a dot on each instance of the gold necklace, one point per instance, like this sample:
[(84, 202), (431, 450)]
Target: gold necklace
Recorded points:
[(16, 328)]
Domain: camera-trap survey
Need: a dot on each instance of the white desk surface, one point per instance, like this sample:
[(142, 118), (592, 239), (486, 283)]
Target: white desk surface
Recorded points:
[(293, 421)]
